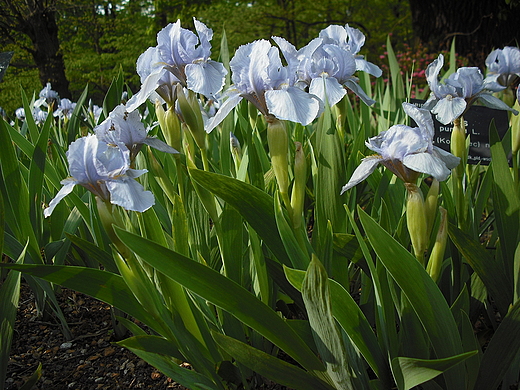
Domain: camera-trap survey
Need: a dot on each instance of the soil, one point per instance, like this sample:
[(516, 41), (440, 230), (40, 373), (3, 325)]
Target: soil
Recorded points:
[(88, 361)]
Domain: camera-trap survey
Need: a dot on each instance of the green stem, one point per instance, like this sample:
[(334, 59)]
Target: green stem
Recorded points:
[(458, 149)]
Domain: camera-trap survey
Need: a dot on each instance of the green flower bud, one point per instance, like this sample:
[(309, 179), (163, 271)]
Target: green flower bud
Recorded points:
[(437, 255), (278, 142), (192, 116), (515, 130), (416, 221), (458, 143), (298, 190), (430, 204), (170, 125)]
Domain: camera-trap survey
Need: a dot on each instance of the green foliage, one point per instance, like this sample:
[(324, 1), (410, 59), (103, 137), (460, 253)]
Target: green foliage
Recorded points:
[(220, 275)]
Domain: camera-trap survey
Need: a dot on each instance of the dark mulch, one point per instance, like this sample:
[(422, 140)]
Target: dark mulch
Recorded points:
[(88, 361)]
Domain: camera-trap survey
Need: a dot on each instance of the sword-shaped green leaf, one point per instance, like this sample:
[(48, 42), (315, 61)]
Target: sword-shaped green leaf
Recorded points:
[(223, 292)]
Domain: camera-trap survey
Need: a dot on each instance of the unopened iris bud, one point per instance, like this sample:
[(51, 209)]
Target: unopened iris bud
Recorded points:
[(170, 125), (430, 204), (416, 221), (278, 147), (109, 218), (298, 190), (458, 142), (515, 130), (236, 149), (437, 256), (191, 113)]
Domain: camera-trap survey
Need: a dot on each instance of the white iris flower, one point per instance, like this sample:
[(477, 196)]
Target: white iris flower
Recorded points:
[(105, 171), (259, 76), (503, 67), (123, 127), (406, 151), (451, 99), (180, 56), (350, 39)]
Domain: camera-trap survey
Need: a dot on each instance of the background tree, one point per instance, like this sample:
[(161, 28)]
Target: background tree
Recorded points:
[(32, 26), (479, 26), (98, 38)]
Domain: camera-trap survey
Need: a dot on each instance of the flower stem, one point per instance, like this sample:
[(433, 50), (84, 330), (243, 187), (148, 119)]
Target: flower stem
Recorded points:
[(458, 149)]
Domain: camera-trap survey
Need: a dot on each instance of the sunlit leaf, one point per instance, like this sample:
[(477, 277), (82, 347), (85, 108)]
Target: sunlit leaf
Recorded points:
[(417, 371), (223, 292)]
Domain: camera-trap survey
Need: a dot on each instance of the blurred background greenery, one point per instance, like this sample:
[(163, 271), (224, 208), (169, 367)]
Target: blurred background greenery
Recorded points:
[(74, 42)]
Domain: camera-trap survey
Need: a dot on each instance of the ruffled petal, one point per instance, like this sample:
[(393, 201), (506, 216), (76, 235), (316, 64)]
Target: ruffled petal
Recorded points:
[(336, 34), (223, 111), (130, 195), (432, 74), (490, 101), (368, 67), (293, 104), (356, 88), (328, 89), (156, 143), (367, 166), (206, 78), (422, 117), (149, 85), (448, 109), (427, 163), (449, 159)]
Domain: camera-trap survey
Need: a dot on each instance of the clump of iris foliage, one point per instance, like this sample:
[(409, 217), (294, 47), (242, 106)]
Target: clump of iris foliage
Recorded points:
[(231, 210)]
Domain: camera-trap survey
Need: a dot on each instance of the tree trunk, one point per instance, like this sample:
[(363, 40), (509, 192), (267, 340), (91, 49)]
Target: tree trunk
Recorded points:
[(43, 32), (479, 26)]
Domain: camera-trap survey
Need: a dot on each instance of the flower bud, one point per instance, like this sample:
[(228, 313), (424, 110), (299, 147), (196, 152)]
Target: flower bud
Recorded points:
[(437, 255), (458, 143), (298, 190), (416, 221), (191, 113), (515, 130), (170, 125), (430, 204), (278, 142), (236, 149)]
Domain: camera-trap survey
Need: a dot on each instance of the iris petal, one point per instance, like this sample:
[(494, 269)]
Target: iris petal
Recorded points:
[(328, 89), (449, 109), (365, 169), (130, 195), (206, 78), (68, 186), (293, 104), (427, 163)]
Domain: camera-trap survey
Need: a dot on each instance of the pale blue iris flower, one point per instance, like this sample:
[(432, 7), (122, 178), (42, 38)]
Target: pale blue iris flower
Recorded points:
[(352, 40), (105, 171), (451, 99), (503, 67), (47, 97), (65, 109), (20, 114), (406, 151), (39, 115), (125, 128), (326, 68), (180, 57), (259, 76)]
